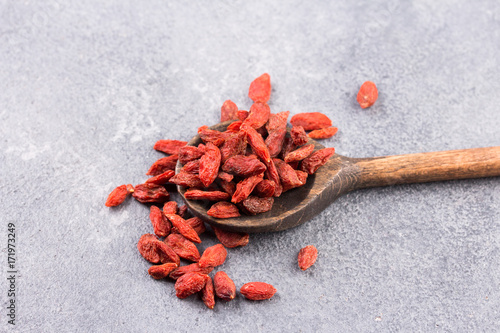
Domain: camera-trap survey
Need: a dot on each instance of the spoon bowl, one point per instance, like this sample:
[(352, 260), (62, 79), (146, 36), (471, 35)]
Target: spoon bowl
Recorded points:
[(342, 174)]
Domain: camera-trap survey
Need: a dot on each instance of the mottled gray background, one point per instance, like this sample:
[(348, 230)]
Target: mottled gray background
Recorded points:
[(87, 87)]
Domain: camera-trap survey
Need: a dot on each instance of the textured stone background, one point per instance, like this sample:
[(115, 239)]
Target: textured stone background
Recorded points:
[(87, 87)]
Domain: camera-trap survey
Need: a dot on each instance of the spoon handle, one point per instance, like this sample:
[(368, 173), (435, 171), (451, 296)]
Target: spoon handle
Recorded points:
[(428, 167)]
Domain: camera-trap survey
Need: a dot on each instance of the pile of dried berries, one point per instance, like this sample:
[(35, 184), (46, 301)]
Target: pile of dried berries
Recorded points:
[(242, 170)]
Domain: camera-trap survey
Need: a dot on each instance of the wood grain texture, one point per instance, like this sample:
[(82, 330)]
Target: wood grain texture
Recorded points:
[(342, 174)]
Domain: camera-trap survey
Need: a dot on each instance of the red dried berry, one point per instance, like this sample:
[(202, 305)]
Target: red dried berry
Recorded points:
[(323, 133), (288, 146), (209, 164), (228, 187), (170, 208), (260, 88), (224, 286), (201, 128), (207, 294), (299, 154), (272, 174), (231, 239), (243, 166), (213, 136), (236, 144), (191, 167), (183, 211), (190, 283), (197, 224), (254, 205), (186, 180), (162, 178), (149, 193), (277, 121), (118, 195), (307, 257), (311, 120), (177, 273), (265, 188), (258, 116), (147, 248), (228, 111), (206, 195), (162, 271), (234, 126), (162, 165), (213, 256), (245, 187), (169, 146), (257, 143), (367, 95), (257, 291), (184, 229), (183, 247), (223, 210), (161, 224), (166, 253), (288, 176), (242, 115), (225, 176), (316, 159), (274, 141), (189, 153), (298, 135)]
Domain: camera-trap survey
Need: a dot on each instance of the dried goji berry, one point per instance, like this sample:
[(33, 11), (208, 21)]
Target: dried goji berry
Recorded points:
[(186, 180), (302, 176), (288, 146), (260, 88), (197, 224), (277, 121), (245, 187), (274, 141), (316, 159), (162, 271), (243, 166), (161, 224), (224, 286), (223, 210), (298, 135), (307, 257), (191, 167), (162, 165), (234, 126), (299, 154), (254, 205), (178, 272), (118, 195), (323, 133), (311, 120), (213, 256), (189, 153), (265, 188), (228, 111), (183, 211), (149, 192), (207, 294), (367, 94), (162, 178), (258, 116), (166, 253), (272, 174), (257, 143), (206, 195), (225, 176), (147, 248), (189, 283), (236, 144), (213, 136), (231, 239), (228, 187), (201, 128), (257, 291), (288, 176), (183, 247), (169, 146), (184, 229), (209, 164), (242, 114), (170, 207)]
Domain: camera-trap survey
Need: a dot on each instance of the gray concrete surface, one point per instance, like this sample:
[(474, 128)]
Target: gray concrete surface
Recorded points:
[(87, 87)]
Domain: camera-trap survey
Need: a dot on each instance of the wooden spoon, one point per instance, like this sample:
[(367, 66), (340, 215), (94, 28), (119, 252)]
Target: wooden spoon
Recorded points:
[(343, 174)]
